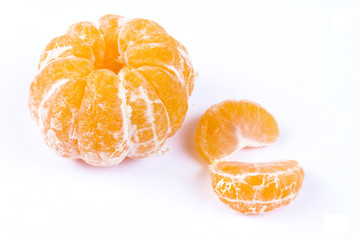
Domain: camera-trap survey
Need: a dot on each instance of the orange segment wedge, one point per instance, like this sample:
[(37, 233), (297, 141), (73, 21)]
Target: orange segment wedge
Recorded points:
[(255, 188), (66, 46), (59, 116), (145, 43), (170, 91), (92, 36), (72, 68), (103, 126), (110, 26), (135, 29), (148, 119), (231, 125)]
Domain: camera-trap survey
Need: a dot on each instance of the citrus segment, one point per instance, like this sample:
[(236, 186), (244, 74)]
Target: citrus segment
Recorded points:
[(103, 126), (92, 36), (137, 35), (110, 27), (189, 73), (255, 188), (158, 55), (72, 68), (65, 46), (135, 29), (170, 91), (59, 115), (231, 125), (148, 119), (184, 70)]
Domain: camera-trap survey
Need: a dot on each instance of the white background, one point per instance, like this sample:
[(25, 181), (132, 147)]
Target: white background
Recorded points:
[(299, 59)]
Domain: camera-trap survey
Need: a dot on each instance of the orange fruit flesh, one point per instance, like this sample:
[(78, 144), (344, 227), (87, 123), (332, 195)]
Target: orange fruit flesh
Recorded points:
[(66, 46), (255, 188), (136, 29), (250, 188), (148, 120), (73, 68), (231, 125), (143, 42), (171, 93), (128, 106), (110, 27), (92, 36), (103, 134)]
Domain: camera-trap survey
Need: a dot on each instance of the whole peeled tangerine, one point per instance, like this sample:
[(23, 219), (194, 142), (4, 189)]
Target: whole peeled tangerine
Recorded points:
[(106, 93)]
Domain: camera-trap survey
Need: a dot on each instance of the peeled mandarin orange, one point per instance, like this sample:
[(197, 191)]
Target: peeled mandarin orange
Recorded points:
[(129, 107), (255, 188), (231, 125)]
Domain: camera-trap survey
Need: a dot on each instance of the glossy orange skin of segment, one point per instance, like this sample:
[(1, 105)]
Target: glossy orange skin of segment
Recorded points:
[(255, 188), (231, 125), (93, 103)]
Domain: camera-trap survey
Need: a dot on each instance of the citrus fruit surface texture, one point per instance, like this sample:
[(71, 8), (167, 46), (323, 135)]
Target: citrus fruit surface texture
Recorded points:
[(105, 93)]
